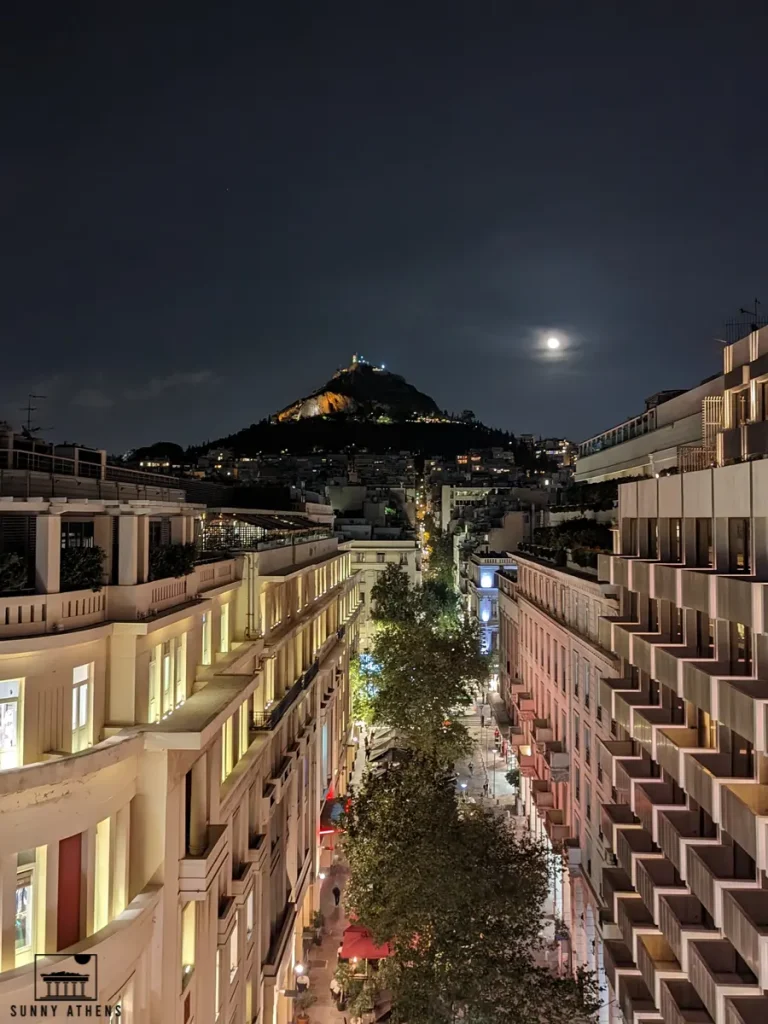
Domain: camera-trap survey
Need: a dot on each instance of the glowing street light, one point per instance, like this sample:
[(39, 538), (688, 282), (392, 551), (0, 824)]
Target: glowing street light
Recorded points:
[(299, 968)]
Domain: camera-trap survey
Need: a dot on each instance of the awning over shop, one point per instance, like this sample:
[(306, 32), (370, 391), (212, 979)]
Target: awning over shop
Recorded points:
[(333, 808), (357, 942)]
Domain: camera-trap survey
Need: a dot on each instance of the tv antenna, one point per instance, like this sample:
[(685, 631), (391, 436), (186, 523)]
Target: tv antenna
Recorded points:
[(753, 313), (29, 431)]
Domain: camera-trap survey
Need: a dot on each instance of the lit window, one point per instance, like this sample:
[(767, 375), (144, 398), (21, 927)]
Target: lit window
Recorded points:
[(224, 628), (249, 914), (9, 723), (25, 873), (188, 925), (81, 707), (217, 993), (233, 952)]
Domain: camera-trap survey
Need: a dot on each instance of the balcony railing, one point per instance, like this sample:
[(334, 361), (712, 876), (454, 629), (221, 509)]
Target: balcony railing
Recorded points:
[(270, 718)]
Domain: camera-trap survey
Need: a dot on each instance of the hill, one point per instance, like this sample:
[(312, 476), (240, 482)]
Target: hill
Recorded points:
[(363, 391)]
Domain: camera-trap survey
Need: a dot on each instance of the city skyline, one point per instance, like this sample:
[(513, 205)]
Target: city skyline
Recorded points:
[(207, 213)]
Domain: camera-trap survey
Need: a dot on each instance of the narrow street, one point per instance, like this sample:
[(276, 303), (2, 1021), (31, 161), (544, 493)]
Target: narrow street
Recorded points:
[(487, 766)]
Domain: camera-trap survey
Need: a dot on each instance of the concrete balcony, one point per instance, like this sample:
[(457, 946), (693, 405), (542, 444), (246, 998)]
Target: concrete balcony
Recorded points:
[(613, 569), (630, 844), (198, 872), (614, 817), (542, 732), (635, 1000), (557, 762), (142, 601), (617, 960), (609, 689), (746, 1010), (556, 825), (623, 636), (745, 924), (741, 599), (644, 647), (542, 796), (657, 963), (628, 770), (700, 683), (649, 799), (640, 575), (698, 590), (679, 829), (655, 877), (682, 920), (716, 973), (624, 704), (744, 810), (527, 763), (608, 751), (666, 581), (634, 919), (616, 885), (743, 706), (37, 614), (516, 737), (669, 661), (711, 870), (705, 776), (646, 722), (671, 746), (526, 706), (680, 1003)]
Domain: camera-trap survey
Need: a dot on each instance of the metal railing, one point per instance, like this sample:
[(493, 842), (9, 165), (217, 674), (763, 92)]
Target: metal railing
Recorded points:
[(270, 718)]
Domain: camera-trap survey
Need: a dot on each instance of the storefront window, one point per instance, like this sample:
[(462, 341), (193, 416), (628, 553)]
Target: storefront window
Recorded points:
[(9, 723)]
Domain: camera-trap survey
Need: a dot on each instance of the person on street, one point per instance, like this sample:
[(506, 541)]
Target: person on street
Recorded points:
[(485, 788), (482, 721), (336, 894), (335, 992), (471, 767)]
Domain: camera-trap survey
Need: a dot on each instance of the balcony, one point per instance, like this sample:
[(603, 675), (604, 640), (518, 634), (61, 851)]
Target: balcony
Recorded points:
[(630, 843), (649, 799), (623, 633), (671, 747), (608, 751), (144, 600), (745, 923), (527, 763), (556, 826), (609, 689), (700, 683), (646, 722), (644, 646), (654, 878), (613, 569), (617, 959), (634, 998), (745, 816), (711, 870), (542, 732), (634, 919), (526, 706), (682, 920), (657, 963), (640, 575), (743, 707), (715, 973), (746, 1010), (198, 872), (627, 771), (679, 829), (615, 817), (616, 884), (669, 666), (542, 796), (698, 590), (557, 762), (706, 775), (736, 599), (680, 1003), (667, 582), (37, 614), (516, 737)]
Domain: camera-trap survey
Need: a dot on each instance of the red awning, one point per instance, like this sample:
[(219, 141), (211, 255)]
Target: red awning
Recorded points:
[(357, 942)]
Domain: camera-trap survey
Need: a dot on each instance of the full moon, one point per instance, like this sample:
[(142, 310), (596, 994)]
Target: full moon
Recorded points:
[(553, 343)]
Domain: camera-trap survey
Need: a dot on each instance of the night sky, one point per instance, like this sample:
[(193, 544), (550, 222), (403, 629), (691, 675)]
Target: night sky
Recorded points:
[(206, 210)]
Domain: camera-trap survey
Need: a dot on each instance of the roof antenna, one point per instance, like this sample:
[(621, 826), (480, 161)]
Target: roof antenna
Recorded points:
[(29, 431), (753, 313)]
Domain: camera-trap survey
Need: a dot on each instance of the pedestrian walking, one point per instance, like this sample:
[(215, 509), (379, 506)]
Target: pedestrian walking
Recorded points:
[(482, 720), (336, 894), (485, 788), (471, 767), (335, 992)]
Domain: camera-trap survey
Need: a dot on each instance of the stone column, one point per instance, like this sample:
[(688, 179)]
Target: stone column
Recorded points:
[(142, 565), (198, 812), (47, 554), (128, 538), (102, 538)]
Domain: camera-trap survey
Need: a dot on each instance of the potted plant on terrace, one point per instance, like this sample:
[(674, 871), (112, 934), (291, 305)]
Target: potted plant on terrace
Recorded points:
[(301, 1004), (82, 568), (14, 572), (167, 560)]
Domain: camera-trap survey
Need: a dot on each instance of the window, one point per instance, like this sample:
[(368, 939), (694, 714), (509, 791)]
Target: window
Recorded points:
[(207, 638), (575, 673), (563, 729), (188, 927), (360, 556), (554, 660), (738, 540), (227, 750), (249, 913), (588, 801), (217, 988), (741, 648), (380, 557), (562, 668), (180, 664), (576, 731), (233, 951), (587, 744), (577, 784), (586, 684), (167, 673), (25, 884), (9, 723), (704, 552), (101, 876), (675, 540), (81, 707), (224, 628)]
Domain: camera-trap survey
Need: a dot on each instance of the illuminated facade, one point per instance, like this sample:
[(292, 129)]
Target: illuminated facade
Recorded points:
[(168, 743)]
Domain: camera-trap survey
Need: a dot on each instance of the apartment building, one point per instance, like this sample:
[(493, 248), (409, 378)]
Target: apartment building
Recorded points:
[(481, 589), (369, 558), (551, 664), (169, 737)]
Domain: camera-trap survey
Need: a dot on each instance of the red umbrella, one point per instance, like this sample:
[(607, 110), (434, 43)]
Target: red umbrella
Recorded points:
[(358, 942)]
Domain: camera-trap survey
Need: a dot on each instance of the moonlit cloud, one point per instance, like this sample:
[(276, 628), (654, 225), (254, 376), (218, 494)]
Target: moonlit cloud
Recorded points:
[(173, 382)]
